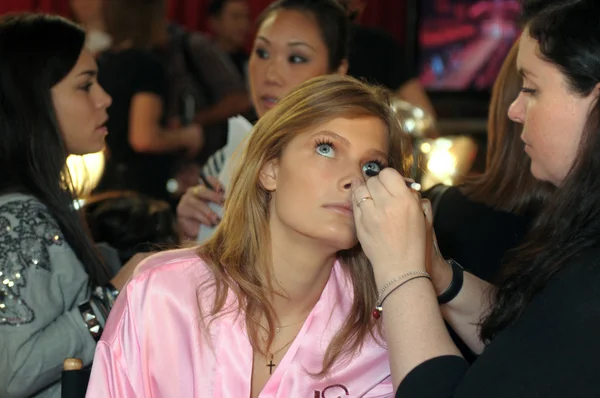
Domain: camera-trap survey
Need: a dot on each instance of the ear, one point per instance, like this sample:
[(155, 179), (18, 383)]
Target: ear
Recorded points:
[(343, 68), (268, 175), (597, 90)]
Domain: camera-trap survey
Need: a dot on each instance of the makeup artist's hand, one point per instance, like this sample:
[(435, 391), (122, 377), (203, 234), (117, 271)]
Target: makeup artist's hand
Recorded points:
[(193, 210), (390, 225)]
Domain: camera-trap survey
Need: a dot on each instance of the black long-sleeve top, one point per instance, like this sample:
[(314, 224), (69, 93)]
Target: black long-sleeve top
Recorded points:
[(552, 350)]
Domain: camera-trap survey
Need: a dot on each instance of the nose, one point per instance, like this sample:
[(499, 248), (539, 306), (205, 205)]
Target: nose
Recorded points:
[(516, 110), (104, 100), (346, 181), (273, 75)]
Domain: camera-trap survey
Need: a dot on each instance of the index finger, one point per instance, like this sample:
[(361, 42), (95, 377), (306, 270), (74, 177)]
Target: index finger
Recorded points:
[(216, 184), (204, 193), (395, 183)]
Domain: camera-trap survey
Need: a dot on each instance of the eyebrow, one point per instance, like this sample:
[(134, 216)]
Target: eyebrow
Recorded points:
[(526, 72), (90, 73), (296, 43), (346, 143)]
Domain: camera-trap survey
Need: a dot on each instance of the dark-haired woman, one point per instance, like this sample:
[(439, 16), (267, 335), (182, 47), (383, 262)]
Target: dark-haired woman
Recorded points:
[(537, 333), (51, 106)]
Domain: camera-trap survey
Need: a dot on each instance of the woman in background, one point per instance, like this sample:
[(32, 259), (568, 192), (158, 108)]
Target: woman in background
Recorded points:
[(141, 149), (296, 41)]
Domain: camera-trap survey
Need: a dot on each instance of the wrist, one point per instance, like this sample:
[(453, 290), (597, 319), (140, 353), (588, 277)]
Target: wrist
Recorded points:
[(385, 273), (441, 275), (456, 283)]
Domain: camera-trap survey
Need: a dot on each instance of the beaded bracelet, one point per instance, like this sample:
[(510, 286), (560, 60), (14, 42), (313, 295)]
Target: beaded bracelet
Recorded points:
[(396, 279), (379, 306)]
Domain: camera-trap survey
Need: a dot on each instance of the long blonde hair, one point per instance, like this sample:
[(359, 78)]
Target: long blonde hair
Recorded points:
[(239, 253)]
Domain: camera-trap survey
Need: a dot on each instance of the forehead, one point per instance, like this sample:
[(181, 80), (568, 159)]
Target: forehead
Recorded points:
[(532, 65), (86, 61), (528, 49), (288, 25), (364, 133)]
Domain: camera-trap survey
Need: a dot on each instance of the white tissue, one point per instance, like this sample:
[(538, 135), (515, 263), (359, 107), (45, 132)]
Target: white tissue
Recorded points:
[(238, 129)]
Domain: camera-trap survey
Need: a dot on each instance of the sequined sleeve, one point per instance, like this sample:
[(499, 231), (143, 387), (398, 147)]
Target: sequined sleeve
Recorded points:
[(41, 284)]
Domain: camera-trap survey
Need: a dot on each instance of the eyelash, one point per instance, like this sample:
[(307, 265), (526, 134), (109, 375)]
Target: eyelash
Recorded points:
[(526, 90), (378, 161), (86, 87), (293, 59)]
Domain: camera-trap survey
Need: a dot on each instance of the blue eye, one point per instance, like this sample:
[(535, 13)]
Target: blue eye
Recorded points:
[(325, 149), (371, 169)]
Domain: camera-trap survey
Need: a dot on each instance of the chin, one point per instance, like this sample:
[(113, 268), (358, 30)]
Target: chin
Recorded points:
[(342, 241)]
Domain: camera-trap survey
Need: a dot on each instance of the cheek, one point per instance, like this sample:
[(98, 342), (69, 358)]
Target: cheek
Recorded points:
[(303, 186), (310, 71), (254, 72)]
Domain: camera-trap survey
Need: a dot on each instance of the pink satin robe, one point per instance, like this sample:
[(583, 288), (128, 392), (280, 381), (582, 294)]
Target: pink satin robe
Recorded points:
[(153, 345)]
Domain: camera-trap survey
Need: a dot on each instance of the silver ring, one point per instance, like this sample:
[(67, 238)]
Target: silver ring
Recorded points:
[(362, 200)]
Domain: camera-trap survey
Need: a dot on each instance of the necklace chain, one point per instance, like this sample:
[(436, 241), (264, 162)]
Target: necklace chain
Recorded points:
[(272, 354), (278, 328)]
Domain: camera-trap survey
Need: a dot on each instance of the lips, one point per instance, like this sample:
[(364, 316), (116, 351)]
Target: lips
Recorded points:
[(269, 100), (342, 207), (102, 125)]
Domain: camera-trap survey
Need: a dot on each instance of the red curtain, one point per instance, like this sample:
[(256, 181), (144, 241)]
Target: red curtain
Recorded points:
[(387, 14)]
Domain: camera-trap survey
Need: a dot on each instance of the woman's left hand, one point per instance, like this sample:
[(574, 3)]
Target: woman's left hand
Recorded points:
[(390, 224)]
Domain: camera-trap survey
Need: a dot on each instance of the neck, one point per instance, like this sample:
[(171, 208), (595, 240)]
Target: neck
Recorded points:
[(301, 269)]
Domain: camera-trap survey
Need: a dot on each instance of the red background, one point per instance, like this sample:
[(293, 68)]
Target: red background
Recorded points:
[(387, 14)]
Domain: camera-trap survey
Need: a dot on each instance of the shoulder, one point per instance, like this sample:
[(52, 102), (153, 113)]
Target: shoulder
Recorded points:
[(200, 40), (25, 217), (173, 284), (30, 242), (581, 275), (174, 272), (166, 261)]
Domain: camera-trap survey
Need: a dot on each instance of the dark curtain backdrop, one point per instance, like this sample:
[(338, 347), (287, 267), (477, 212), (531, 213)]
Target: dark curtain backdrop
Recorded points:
[(386, 14)]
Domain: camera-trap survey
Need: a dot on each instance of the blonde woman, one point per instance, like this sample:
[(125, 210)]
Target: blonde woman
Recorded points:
[(278, 303)]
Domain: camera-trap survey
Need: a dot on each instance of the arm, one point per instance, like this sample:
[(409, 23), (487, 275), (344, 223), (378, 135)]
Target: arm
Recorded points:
[(231, 105), (146, 135), (466, 310), (40, 323), (550, 351), (226, 87), (109, 378), (117, 356)]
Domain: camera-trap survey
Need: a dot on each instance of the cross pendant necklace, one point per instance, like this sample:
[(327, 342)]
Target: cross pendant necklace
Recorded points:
[(271, 365)]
